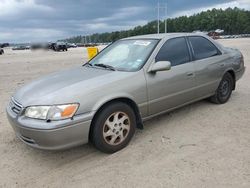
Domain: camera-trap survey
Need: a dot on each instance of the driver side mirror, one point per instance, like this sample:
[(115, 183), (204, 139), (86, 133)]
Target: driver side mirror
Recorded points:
[(160, 66)]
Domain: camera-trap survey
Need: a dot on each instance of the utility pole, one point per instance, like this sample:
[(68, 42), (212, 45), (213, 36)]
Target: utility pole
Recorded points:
[(158, 18), (166, 24), (90, 39), (159, 7)]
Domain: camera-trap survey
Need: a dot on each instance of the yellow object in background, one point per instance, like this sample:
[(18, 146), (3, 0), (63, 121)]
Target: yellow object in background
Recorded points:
[(92, 52)]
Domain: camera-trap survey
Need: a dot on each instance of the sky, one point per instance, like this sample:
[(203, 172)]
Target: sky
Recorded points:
[(50, 20)]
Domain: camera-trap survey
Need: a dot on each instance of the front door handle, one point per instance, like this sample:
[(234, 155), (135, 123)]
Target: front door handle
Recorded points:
[(190, 74)]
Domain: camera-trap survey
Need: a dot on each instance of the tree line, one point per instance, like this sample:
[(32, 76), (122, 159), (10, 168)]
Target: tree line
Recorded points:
[(232, 21)]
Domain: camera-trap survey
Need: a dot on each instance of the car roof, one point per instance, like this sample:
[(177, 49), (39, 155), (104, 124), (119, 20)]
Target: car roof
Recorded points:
[(164, 35)]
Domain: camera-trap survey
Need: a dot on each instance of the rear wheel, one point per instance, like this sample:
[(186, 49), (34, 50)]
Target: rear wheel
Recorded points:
[(114, 127), (224, 91)]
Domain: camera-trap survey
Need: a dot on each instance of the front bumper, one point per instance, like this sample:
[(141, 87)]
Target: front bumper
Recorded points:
[(64, 134)]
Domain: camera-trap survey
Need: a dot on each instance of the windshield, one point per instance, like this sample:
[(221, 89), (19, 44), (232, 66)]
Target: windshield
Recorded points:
[(126, 55)]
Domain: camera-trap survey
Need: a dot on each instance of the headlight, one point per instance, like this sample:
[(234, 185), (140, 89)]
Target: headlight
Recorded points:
[(56, 112)]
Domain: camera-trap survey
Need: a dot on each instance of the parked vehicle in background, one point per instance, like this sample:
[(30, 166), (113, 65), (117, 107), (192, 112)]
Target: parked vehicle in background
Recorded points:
[(86, 44), (130, 81), (21, 47), (1, 51), (59, 46), (56, 46), (50, 46), (38, 46), (3, 45), (71, 45)]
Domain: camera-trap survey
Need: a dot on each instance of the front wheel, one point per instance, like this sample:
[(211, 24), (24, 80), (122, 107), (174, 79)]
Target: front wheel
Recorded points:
[(224, 91), (114, 127)]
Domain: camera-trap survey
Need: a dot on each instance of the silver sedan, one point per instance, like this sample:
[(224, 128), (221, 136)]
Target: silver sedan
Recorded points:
[(130, 81)]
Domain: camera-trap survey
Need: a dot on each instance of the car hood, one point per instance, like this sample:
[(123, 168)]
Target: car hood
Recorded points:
[(46, 89)]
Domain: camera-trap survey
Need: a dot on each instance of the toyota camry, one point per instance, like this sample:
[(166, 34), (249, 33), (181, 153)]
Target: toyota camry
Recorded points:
[(127, 83)]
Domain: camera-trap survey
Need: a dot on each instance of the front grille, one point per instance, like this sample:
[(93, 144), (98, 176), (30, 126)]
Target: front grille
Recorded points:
[(15, 106)]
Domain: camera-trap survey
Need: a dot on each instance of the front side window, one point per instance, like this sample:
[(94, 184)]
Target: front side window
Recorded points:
[(175, 51), (126, 55), (203, 48)]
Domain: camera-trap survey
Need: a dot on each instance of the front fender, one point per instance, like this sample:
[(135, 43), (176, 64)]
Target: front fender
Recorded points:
[(105, 99)]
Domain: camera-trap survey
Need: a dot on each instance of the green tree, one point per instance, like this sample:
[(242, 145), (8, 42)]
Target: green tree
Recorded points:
[(232, 21)]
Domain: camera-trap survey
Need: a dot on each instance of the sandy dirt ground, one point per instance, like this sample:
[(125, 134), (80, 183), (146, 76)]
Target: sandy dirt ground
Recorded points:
[(200, 145)]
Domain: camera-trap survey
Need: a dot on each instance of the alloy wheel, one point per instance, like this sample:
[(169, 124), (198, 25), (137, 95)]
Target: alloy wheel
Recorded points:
[(116, 128)]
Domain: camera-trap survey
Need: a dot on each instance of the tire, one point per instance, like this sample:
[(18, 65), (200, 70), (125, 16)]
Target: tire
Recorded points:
[(113, 127), (224, 91)]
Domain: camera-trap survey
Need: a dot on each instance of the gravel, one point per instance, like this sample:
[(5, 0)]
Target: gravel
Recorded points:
[(200, 145)]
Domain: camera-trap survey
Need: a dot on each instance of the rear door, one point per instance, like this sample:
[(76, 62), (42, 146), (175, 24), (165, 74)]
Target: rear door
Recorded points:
[(169, 89), (208, 64)]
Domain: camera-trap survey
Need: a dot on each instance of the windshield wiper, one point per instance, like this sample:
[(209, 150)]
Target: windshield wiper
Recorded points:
[(88, 64), (105, 66)]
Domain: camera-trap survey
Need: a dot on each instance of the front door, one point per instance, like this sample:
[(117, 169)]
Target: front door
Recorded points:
[(172, 88)]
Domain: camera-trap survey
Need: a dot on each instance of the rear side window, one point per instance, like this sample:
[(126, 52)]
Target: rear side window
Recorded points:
[(203, 48), (174, 50)]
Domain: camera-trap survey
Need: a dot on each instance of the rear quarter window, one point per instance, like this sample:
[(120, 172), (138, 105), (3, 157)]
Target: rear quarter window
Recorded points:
[(203, 48)]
